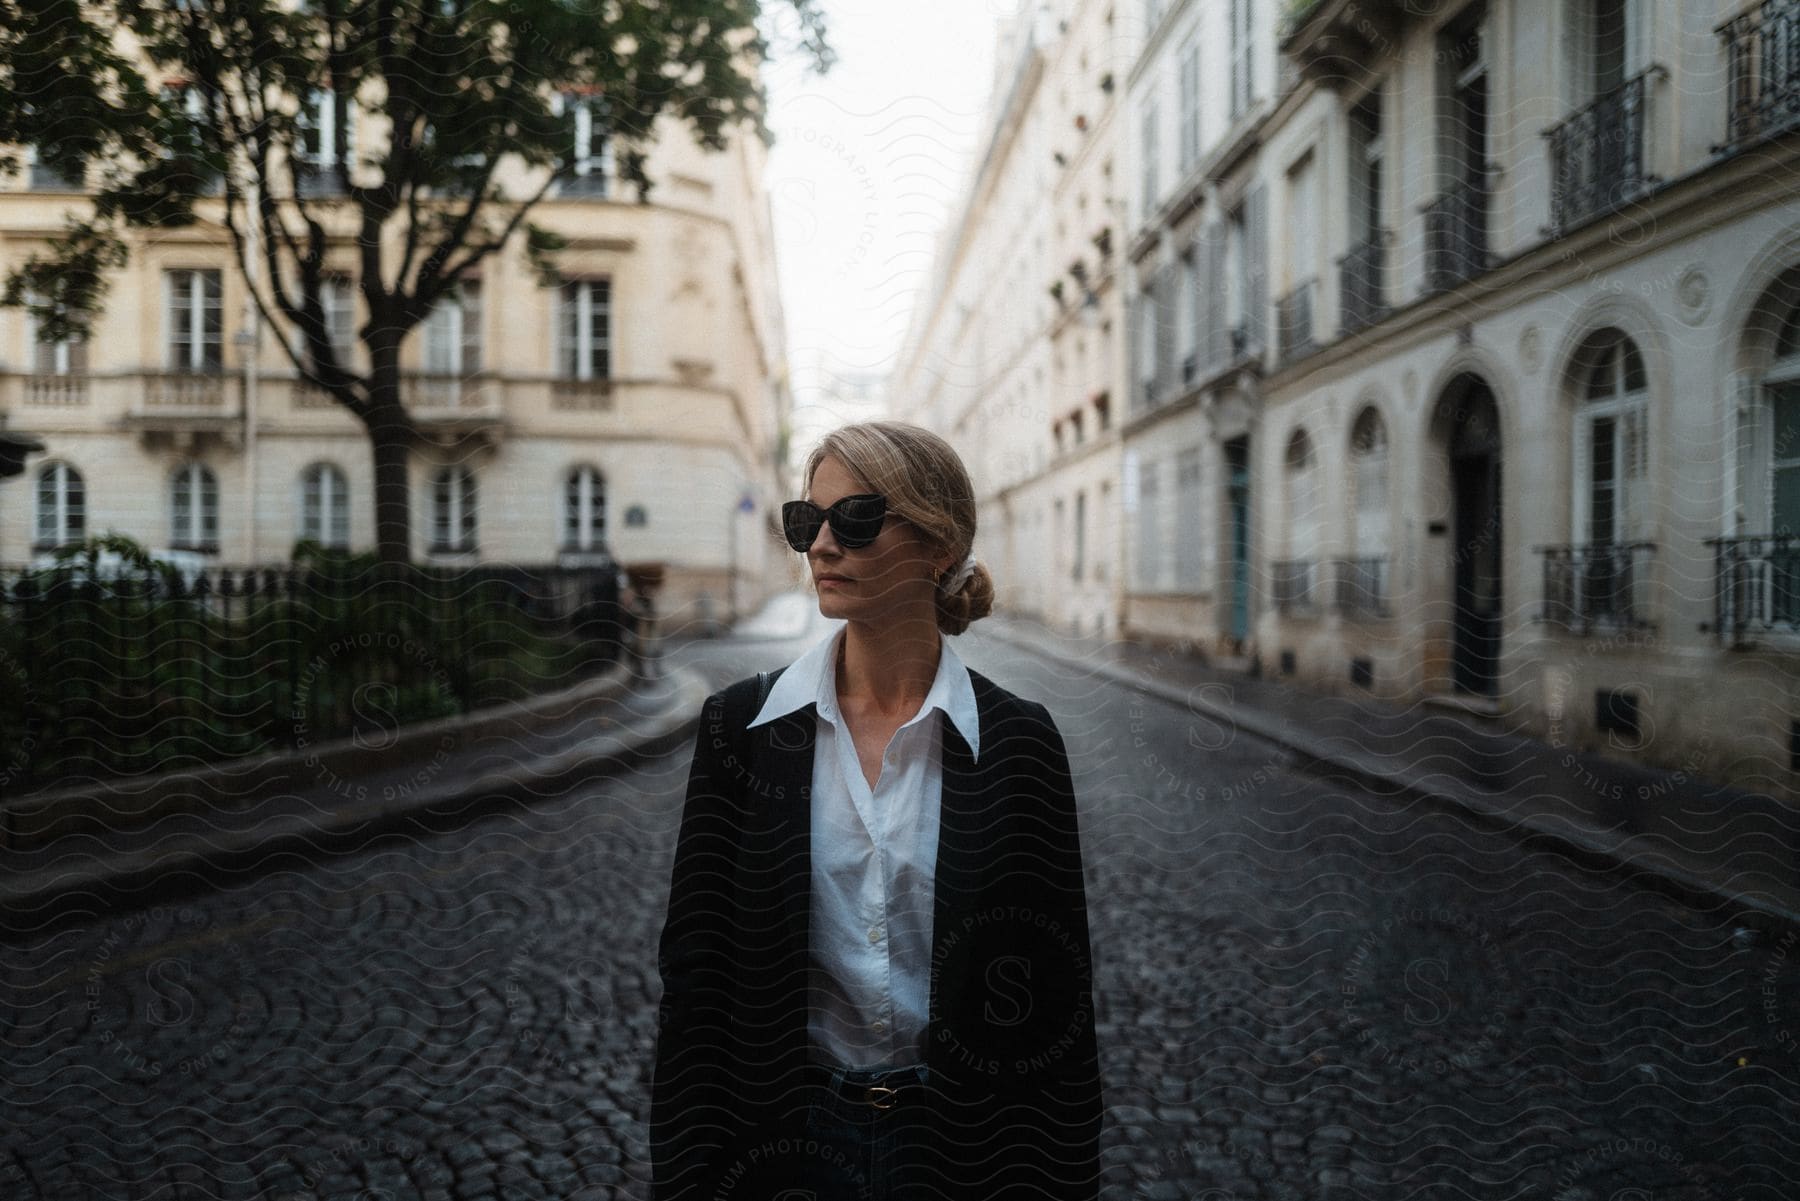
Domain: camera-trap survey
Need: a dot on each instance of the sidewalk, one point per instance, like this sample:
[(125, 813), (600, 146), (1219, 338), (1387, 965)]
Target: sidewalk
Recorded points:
[(1703, 842), (446, 774)]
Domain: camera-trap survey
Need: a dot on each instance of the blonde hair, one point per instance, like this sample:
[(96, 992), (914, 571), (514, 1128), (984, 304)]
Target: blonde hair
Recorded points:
[(926, 484)]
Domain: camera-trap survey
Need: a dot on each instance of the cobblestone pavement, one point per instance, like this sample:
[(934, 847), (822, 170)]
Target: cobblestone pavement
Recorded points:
[(1304, 992)]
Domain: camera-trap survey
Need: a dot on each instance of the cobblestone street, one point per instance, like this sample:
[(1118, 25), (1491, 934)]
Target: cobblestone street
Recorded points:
[(1304, 992)]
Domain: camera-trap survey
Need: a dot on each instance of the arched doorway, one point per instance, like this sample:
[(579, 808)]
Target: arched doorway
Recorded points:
[(1468, 422)]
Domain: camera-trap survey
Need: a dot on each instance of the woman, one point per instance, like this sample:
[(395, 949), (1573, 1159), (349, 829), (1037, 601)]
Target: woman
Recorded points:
[(875, 965)]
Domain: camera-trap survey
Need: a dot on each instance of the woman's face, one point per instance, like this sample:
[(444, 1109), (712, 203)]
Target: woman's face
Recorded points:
[(893, 576)]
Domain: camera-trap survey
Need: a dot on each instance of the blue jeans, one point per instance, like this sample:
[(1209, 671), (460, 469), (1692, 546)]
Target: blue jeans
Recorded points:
[(862, 1149)]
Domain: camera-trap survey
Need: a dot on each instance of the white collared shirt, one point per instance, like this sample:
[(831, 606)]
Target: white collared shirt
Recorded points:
[(874, 860)]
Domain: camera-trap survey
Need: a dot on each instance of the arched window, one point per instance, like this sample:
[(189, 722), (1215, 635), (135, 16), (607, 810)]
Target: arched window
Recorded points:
[(325, 505), (1612, 500), (61, 506), (1365, 583), (635, 516), (584, 509), (1294, 576), (194, 508), (453, 509)]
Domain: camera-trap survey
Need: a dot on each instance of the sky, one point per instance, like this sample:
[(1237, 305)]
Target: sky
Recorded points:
[(869, 164)]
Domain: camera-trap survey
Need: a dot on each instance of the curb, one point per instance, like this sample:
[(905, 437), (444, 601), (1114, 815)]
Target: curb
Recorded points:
[(32, 820), (1642, 862), (156, 875)]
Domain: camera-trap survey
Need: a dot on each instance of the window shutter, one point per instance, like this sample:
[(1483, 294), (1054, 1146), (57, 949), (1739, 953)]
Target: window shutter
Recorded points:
[(1215, 337), (181, 511), (471, 327), (1754, 439), (1256, 255), (1635, 456), (1371, 503), (1580, 476)]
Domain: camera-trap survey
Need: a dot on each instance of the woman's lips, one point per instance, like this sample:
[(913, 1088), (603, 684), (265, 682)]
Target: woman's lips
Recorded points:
[(833, 579)]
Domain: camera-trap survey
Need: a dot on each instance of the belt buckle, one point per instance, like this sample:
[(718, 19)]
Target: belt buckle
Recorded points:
[(881, 1096)]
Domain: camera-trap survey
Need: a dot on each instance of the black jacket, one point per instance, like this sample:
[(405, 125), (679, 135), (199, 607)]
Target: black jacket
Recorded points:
[(1013, 1106)]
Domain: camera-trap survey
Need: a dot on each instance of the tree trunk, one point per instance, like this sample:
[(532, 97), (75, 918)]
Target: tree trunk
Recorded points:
[(392, 447), (391, 438)]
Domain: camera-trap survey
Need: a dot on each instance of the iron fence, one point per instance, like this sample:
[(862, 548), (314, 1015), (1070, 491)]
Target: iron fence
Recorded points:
[(112, 668)]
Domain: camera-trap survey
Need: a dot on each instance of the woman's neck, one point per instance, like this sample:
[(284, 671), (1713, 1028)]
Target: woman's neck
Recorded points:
[(888, 668)]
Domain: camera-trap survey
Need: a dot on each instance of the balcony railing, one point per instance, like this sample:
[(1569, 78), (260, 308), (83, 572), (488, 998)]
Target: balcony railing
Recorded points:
[(1599, 585), (1757, 586), (56, 391), (431, 392), (1362, 587), (1362, 283), (1597, 154), (1762, 62), (1294, 324), (1291, 582), (1456, 235), (581, 394), (187, 391)]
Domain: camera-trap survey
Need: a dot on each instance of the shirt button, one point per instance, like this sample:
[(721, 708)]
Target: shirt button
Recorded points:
[(874, 933), (880, 1026)]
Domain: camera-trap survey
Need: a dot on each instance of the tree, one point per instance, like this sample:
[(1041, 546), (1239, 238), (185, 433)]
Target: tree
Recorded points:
[(247, 115)]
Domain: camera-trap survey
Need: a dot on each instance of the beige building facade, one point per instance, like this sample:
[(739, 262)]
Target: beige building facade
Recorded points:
[(637, 407), (1013, 350)]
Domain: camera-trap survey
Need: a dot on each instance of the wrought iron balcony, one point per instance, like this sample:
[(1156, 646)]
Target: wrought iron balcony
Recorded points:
[(1294, 324), (1456, 233), (1596, 586), (1762, 59), (1597, 154), (1292, 584), (1757, 586), (1362, 587), (1362, 283)]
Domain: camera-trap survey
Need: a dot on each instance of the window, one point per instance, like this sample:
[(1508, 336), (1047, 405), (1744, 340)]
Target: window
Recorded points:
[(1366, 153), (1190, 107), (1366, 581), (1242, 57), (193, 318), (340, 317), (61, 506), (326, 141), (187, 135), (1148, 148), (636, 517), (194, 508), (584, 509), (1146, 347), (586, 330), (68, 357), (453, 509), (1080, 534), (1612, 502), (1304, 526), (1301, 238), (453, 333), (590, 166), (1149, 533), (1189, 530), (1369, 478), (1187, 315), (325, 505)]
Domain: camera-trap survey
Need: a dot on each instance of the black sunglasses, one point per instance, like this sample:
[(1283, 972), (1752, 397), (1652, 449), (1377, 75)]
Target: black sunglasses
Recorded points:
[(856, 521)]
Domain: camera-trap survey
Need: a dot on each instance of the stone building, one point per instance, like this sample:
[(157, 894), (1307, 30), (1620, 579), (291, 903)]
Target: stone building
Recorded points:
[(637, 407), (1498, 415), (1013, 350)]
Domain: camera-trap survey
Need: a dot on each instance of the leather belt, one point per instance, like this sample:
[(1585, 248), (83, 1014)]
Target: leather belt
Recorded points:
[(881, 1088)]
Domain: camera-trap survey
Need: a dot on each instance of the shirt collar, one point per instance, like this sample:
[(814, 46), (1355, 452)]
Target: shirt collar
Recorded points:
[(812, 679)]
